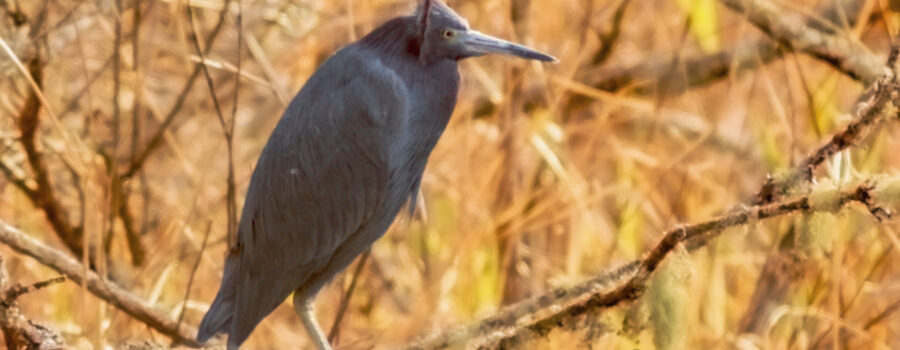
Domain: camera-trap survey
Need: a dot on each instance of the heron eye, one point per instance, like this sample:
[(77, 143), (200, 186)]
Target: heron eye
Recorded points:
[(448, 34)]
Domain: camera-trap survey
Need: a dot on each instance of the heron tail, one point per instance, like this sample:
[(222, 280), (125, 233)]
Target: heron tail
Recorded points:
[(218, 318)]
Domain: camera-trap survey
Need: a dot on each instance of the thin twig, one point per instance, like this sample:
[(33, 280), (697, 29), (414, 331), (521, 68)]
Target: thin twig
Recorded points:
[(136, 58), (117, 83), (345, 301), (17, 181), (35, 82), (231, 193), (14, 292), (132, 234), (90, 80), (227, 128), (187, 292), (156, 140), (859, 291), (883, 315), (123, 210), (609, 38), (118, 199), (205, 69)]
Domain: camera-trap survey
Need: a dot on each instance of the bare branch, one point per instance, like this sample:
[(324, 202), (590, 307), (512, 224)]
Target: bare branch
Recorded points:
[(526, 309), (132, 234), (609, 38), (17, 181), (871, 114), (44, 196), (883, 315), (699, 70), (19, 332), (106, 290), (231, 182), (12, 293), (840, 51)]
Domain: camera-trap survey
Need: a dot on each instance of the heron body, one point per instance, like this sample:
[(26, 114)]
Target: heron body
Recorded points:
[(347, 154)]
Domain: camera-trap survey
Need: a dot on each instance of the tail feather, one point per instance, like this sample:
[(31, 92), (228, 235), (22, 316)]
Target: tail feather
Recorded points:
[(239, 315), (218, 318)]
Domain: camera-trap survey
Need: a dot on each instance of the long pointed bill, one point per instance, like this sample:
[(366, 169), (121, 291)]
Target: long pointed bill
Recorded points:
[(485, 44)]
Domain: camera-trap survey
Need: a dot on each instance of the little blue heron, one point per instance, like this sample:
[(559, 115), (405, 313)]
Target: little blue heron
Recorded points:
[(345, 157)]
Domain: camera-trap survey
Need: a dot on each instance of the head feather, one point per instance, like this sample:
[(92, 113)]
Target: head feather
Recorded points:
[(424, 18)]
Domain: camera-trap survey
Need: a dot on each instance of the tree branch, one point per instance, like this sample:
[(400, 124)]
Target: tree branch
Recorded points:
[(106, 290), (526, 309), (870, 114), (508, 333), (19, 332), (699, 70), (44, 196), (635, 286), (840, 51)]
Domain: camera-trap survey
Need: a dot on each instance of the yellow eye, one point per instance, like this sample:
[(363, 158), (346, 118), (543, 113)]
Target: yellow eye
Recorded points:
[(448, 34)]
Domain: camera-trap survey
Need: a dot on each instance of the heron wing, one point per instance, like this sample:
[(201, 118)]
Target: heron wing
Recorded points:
[(323, 173)]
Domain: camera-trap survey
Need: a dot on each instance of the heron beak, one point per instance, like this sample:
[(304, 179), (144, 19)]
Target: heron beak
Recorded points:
[(485, 44)]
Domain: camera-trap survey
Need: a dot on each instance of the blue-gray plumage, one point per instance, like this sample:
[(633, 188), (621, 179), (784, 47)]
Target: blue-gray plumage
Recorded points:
[(345, 157)]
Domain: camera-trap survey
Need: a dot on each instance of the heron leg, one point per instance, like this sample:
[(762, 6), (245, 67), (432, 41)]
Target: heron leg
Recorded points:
[(304, 307)]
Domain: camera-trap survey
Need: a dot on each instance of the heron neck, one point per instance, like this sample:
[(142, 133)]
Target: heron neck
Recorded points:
[(393, 37), (397, 37)]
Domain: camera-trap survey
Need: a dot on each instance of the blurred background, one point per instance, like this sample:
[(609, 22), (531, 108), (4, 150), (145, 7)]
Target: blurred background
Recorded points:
[(660, 112)]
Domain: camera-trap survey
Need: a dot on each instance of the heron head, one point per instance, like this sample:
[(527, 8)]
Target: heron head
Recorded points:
[(445, 34)]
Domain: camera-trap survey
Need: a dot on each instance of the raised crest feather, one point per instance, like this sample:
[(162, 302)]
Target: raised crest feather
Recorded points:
[(424, 18)]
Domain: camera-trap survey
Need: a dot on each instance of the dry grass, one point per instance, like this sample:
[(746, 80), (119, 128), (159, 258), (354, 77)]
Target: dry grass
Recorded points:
[(525, 197)]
